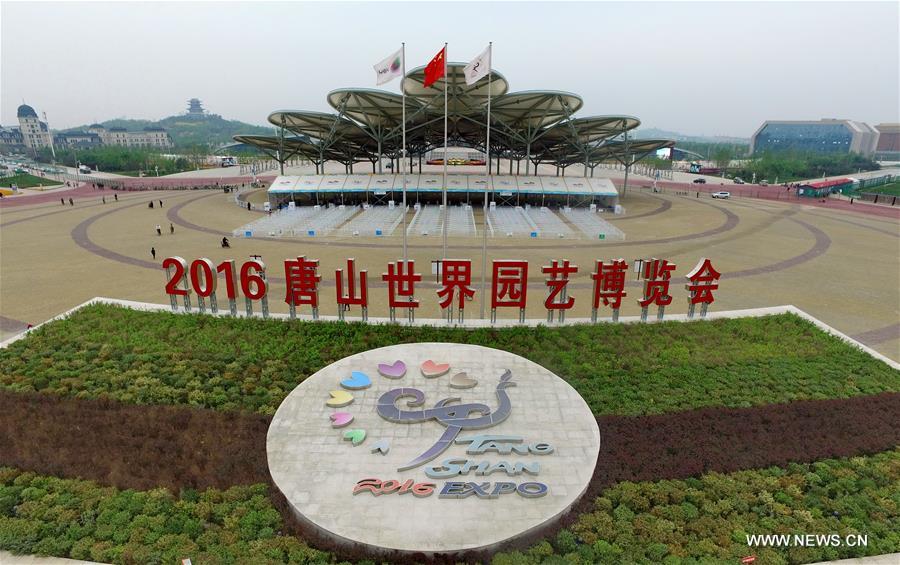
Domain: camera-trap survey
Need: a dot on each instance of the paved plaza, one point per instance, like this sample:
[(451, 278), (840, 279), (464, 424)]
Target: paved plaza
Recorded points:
[(839, 265)]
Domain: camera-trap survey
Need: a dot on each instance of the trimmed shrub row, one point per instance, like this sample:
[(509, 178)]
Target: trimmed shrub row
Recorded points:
[(706, 519), (252, 364), (78, 519)]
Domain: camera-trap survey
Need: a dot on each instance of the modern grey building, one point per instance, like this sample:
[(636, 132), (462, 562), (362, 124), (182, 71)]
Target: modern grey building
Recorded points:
[(823, 136), (888, 148)]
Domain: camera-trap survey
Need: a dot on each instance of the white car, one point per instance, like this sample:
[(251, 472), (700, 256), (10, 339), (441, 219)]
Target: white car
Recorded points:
[(721, 194)]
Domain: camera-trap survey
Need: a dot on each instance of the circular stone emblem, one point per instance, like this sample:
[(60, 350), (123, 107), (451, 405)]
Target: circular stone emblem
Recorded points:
[(432, 447)]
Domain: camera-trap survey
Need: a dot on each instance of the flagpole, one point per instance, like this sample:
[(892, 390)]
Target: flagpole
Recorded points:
[(446, 212), (403, 150), (487, 162)]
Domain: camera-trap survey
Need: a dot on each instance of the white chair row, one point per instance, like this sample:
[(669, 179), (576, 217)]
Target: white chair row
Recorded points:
[(429, 221), (373, 221), (592, 225), (505, 221), (548, 223)]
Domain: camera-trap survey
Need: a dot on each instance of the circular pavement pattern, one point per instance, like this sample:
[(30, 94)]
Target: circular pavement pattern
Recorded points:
[(454, 395)]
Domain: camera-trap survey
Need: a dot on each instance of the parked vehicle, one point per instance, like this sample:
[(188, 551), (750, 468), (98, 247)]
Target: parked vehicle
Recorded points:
[(699, 181), (764, 182), (721, 194), (738, 180)]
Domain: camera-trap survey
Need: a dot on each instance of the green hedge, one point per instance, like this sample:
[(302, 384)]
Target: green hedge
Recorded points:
[(78, 519), (690, 521), (252, 364), (707, 519)]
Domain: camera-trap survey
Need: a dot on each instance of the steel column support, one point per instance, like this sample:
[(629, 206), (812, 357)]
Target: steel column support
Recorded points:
[(627, 165), (281, 146)]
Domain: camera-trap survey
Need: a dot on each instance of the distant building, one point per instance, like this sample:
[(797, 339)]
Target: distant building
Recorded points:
[(35, 133), (823, 136), (888, 148), (195, 109), (11, 139), (148, 137), (77, 140)]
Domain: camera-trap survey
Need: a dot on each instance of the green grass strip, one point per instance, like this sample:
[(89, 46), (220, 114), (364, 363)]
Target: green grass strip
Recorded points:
[(252, 364), (25, 180)]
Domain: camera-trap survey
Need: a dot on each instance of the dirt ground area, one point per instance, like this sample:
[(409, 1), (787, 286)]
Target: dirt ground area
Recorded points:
[(839, 266)]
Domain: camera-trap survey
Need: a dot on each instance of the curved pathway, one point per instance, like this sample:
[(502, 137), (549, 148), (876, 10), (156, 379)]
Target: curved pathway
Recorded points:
[(31, 199), (664, 207), (820, 245), (64, 209)]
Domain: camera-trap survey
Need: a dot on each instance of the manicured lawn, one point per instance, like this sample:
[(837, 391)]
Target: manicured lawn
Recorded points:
[(705, 519), (143, 358), (27, 181), (252, 364), (890, 189)]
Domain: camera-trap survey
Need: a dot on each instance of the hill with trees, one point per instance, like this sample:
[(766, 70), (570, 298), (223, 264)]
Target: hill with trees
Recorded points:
[(211, 130)]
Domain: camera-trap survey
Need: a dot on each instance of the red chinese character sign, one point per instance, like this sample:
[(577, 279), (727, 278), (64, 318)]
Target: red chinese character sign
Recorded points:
[(609, 287), (509, 287), (657, 274), (557, 283), (704, 279), (401, 278), (456, 278), (351, 298), (302, 284)]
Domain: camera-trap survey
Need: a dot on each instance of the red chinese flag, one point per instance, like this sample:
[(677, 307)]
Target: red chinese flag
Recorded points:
[(435, 69)]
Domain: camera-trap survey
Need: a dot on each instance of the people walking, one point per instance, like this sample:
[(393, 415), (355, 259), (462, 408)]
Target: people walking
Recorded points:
[(104, 199), (71, 202), (116, 196), (158, 229), (62, 201), (153, 252), (150, 205), (160, 203), (171, 228)]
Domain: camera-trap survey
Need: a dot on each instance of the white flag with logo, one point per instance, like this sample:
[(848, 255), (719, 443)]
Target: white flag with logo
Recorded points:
[(390, 68), (478, 68)]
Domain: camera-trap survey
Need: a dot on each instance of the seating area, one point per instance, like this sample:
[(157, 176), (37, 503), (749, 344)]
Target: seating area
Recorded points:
[(592, 224), (507, 221), (279, 224), (373, 221), (297, 222), (429, 221), (548, 223)]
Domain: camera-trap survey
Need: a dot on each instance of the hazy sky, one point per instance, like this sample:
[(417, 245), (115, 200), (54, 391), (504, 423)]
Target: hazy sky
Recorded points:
[(697, 68)]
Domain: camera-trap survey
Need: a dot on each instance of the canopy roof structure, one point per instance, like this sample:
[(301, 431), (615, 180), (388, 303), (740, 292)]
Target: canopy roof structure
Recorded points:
[(539, 125)]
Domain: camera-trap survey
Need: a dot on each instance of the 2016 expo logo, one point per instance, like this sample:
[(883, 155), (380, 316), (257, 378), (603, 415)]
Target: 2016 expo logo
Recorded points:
[(405, 405)]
